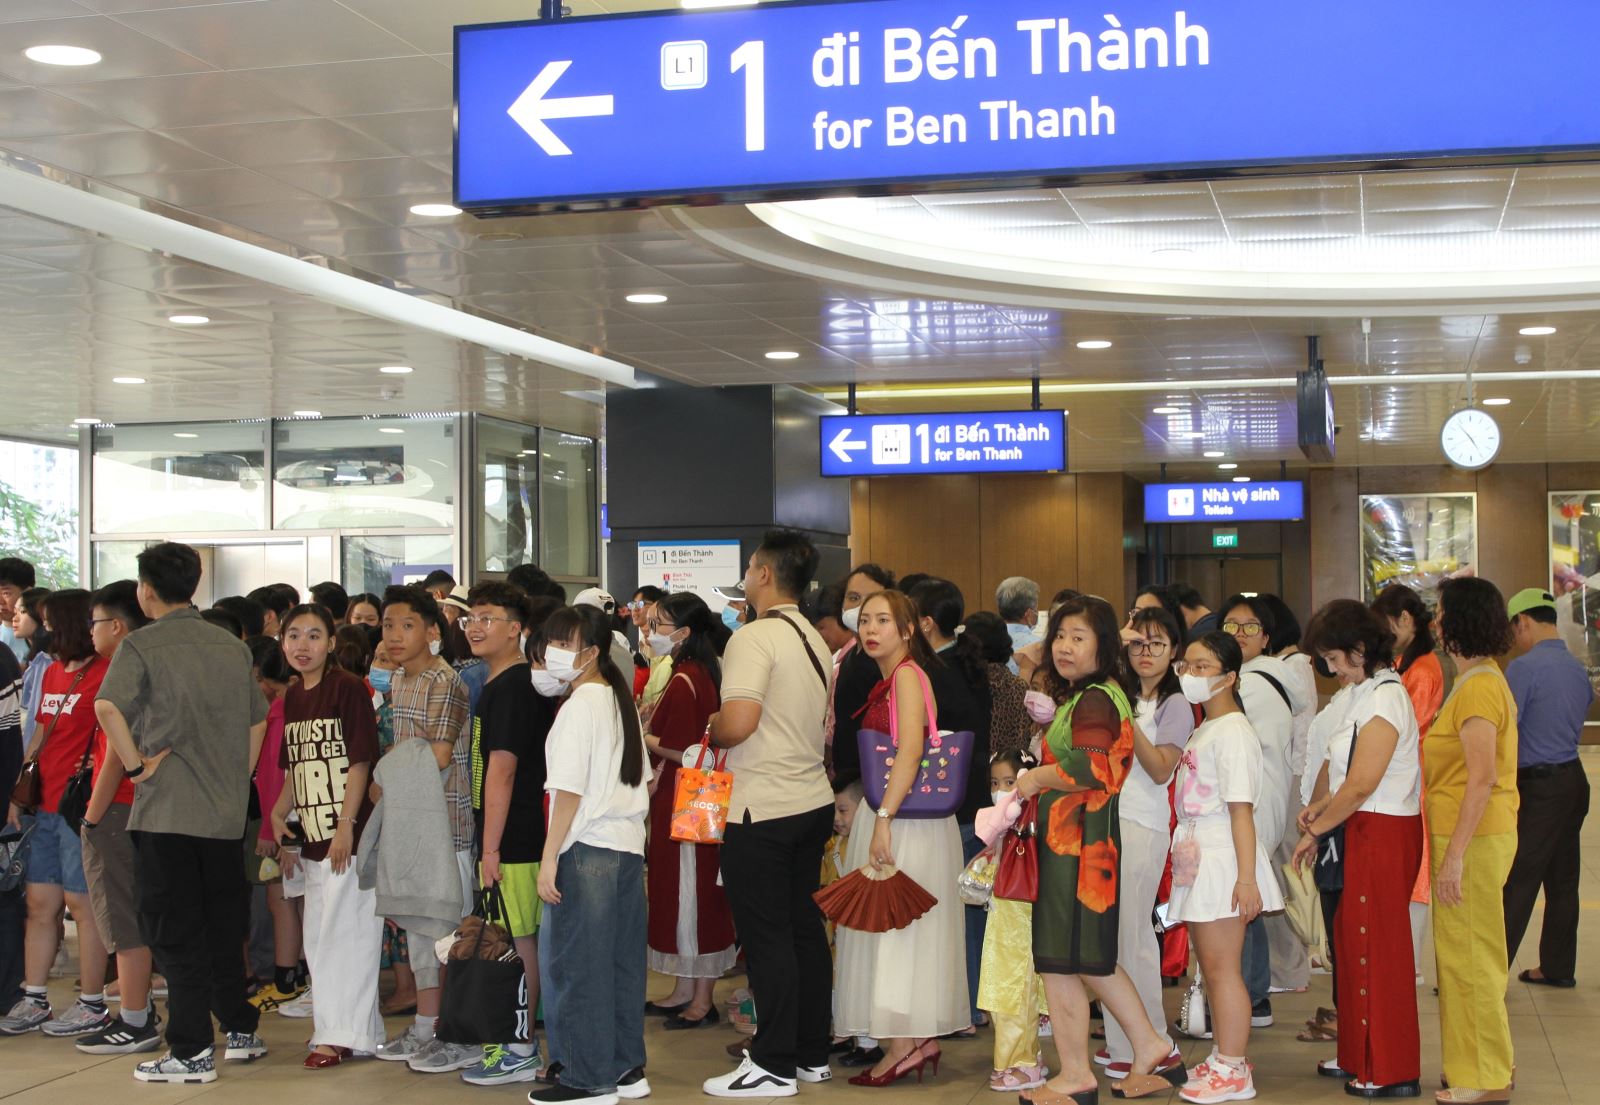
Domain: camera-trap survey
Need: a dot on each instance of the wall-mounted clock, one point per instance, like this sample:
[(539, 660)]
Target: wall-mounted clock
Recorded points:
[(1470, 439)]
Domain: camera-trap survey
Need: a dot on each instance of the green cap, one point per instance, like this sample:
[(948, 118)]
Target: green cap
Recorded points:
[(1529, 598)]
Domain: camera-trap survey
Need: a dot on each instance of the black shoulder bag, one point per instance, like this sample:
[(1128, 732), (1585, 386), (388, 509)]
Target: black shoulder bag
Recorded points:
[(1328, 874)]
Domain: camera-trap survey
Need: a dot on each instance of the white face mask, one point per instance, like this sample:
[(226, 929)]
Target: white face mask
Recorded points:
[(560, 662), (435, 647), (1041, 707), (851, 619), (1198, 689), (999, 796), (548, 685), (662, 644)]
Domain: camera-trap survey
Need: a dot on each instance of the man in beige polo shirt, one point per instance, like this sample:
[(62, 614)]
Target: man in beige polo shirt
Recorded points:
[(774, 694)]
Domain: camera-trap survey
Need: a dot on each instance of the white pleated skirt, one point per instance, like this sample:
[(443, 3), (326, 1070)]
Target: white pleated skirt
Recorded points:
[(1211, 896), (911, 982)]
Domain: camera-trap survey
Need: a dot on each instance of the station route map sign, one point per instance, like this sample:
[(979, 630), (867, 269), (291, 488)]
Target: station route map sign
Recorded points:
[(796, 99), (1268, 501), (943, 444)]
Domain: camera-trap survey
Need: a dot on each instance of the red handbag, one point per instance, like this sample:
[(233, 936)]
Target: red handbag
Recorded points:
[(1017, 877)]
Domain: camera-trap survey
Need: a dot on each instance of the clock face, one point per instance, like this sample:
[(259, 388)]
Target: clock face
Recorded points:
[(1470, 438)]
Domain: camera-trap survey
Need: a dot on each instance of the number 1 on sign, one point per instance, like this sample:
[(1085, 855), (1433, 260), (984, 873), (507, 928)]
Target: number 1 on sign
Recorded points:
[(922, 440), (751, 58)]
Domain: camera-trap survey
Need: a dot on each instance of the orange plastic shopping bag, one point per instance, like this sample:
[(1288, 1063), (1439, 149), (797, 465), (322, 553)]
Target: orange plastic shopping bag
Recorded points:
[(700, 802)]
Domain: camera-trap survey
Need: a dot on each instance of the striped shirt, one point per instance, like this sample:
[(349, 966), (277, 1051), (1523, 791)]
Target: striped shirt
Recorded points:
[(433, 706)]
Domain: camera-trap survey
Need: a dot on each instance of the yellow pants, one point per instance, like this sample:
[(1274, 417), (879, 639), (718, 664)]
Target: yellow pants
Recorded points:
[(1008, 988), (1469, 943)]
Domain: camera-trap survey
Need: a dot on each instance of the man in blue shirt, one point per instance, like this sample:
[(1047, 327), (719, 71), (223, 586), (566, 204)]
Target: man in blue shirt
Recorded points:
[(1017, 599), (1553, 696)]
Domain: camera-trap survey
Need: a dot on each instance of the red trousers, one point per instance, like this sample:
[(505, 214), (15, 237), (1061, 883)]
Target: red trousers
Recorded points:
[(1377, 995)]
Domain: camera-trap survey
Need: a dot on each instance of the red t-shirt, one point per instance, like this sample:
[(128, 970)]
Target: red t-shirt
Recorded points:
[(63, 753), (124, 795), (325, 731)]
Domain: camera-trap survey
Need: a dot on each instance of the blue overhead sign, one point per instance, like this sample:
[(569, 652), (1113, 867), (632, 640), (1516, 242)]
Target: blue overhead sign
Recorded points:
[(793, 99), (1275, 501), (943, 444)]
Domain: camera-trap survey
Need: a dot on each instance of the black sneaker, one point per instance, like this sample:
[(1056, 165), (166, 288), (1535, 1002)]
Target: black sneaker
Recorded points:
[(121, 1038), (551, 1075), (1261, 1014), (633, 1085), (566, 1095)]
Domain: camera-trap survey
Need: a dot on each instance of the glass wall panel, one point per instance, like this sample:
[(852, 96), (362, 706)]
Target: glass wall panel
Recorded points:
[(373, 563), (568, 542), (507, 473), (200, 477), (114, 560), (39, 516), (361, 473)]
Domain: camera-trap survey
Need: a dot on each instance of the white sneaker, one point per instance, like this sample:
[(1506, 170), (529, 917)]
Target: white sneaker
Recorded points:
[(823, 1073), (80, 1020), (749, 1080), (403, 1047), (633, 1085), (199, 1070), (299, 1008), (438, 1057)]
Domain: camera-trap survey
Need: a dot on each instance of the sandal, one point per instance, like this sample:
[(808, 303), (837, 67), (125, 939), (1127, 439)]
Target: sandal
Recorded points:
[(1317, 1034), (1017, 1079)]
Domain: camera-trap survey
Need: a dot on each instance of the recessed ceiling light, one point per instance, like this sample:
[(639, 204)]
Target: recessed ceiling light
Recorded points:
[(1213, 454), (390, 430), (1498, 401), (783, 355), (1228, 466), (435, 210), (530, 452), (185, 435), (1094, 344), (188, 320), (62, 55), (1167, 410), (1241, 479), (127, 379), (1537, 331), (85, 421), (396, 369), (308, 414), (647, 297)]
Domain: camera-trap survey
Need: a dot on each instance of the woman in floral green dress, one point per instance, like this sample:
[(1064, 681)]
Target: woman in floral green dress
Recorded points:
[(1087, 752)]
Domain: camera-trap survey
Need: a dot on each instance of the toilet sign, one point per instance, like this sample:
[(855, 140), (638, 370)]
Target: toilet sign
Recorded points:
[(803, 99)]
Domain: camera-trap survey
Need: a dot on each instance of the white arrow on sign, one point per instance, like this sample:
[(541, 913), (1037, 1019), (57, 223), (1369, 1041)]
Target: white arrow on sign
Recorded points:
[(532, 110), (842, 446)]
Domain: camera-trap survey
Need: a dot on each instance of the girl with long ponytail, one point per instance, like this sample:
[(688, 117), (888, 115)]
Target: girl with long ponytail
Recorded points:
[(591, 876)]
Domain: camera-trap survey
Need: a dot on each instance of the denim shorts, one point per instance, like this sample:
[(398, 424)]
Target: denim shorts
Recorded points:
[(55, 855)]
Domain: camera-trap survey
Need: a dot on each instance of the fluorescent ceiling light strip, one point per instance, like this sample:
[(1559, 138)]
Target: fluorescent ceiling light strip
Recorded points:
[(126, 223)]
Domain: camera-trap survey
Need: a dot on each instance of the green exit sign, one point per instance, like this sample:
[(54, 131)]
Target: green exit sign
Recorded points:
[(1224, 539)]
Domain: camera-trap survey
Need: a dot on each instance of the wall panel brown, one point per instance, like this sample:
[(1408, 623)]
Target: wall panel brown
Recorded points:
[(1335, 534), (1574, 477), (1027, 526), (928, 524), (1102, 558), (1513, 531), (860, 522)]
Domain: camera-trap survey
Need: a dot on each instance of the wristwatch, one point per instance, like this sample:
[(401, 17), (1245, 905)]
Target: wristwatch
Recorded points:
[(134, 772)]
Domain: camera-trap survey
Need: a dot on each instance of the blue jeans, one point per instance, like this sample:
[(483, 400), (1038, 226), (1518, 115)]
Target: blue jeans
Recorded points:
[(592, 967), (55, 855), (1257, 962), (977, 920)]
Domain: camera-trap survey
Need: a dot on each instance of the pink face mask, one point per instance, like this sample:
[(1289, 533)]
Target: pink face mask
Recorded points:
[(1041, 707)]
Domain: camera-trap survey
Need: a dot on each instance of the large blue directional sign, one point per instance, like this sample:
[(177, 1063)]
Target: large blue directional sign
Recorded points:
[(807, 98), (943, 444), (1276, 501)]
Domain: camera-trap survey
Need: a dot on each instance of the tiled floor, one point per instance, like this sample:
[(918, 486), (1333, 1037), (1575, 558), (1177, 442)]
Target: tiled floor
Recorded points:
[(1556, 1033)]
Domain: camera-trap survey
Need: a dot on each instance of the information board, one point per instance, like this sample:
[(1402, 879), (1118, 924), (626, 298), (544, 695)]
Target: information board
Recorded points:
[(792, 99), (1275, 501), (695, 566), (943, 444)]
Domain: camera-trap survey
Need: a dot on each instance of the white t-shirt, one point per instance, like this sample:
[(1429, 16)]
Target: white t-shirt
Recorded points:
[(583, 756), (1221, 764), (1273, 722), (1383, 696), (1144, 800), (1303, 689), (1328, 719)]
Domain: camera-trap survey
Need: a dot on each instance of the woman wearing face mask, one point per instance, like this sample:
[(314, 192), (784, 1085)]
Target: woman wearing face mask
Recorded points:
[(1370, 783), (1221, 877), (1088, 751), (330, 742), (691, 928), (1164, 721), (592, 966), (908, 987)]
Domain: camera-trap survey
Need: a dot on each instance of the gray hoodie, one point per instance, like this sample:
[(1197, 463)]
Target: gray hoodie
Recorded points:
[(406, 850)]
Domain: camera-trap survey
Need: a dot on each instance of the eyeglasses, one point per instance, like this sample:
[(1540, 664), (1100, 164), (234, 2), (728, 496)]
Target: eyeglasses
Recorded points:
[(658, 624), (1148, 648), (1242, 629), (1204, 667), (98, 621), (479, 619), (637, 604)]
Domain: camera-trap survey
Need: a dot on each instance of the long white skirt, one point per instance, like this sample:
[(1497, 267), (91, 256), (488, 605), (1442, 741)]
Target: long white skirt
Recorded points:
[(911, 982)]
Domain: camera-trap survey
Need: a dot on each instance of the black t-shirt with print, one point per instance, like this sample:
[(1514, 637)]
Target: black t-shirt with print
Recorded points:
[(512, 717)]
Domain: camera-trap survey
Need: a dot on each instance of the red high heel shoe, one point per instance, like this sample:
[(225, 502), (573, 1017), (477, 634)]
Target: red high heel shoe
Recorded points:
[(912, 1063), (929, 1050)]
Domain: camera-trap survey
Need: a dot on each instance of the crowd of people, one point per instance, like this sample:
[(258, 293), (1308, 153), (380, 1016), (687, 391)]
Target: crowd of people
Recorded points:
[(384, 768)]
